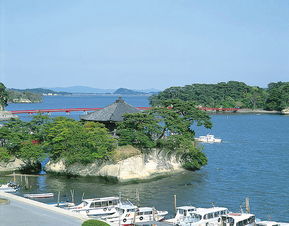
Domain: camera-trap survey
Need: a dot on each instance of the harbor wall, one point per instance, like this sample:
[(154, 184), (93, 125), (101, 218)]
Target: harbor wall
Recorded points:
[(139, 167)]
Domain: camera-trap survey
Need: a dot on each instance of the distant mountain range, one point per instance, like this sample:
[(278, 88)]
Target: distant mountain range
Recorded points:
[(41, 91), (81, 89), (87, 89)]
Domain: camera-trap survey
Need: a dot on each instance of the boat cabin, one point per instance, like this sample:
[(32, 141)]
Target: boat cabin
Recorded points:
[(238, 219), (98, 203), (181, 213), (126, 209), (97, 207), (209, 213), (185, 210)]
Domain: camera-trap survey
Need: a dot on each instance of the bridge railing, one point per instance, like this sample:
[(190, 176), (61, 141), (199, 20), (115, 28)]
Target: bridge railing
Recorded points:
[(67, 110)]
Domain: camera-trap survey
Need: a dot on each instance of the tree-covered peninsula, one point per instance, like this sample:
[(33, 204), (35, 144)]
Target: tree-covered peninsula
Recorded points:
[(232, 94), (17, 96)]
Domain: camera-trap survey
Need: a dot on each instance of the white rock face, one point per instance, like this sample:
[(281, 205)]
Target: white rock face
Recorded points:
[(6, 115), (138, 167), (285, 111), (12, 165)]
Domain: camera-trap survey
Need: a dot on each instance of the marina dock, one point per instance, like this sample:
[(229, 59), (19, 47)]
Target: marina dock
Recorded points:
[(24, 212)]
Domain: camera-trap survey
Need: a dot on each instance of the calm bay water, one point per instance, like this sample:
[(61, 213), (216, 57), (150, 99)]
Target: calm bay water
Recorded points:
[(251, 162)]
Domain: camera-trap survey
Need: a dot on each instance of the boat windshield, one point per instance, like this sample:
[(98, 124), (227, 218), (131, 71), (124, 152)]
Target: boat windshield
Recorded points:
[(84, 203), (227, 220), (119, 210), (130, 210), (250, 220), (181, 211), (196, 217)]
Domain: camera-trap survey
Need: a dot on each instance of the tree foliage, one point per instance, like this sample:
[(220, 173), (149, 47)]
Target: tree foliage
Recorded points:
[(230, 94), (18, 139), (59, 138), (139, 129), (169, 128), (15, 96), (278, 96), (3, 96), (94, 223), (76, 142)]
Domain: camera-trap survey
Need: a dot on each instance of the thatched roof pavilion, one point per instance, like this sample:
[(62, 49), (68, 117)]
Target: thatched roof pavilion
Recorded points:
[(111, 114)]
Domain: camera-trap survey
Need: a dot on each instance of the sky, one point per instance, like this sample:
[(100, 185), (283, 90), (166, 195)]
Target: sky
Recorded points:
[(142, 44)]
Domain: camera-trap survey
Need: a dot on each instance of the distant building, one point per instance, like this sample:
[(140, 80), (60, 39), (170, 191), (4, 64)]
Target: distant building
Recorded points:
[(111, 114)]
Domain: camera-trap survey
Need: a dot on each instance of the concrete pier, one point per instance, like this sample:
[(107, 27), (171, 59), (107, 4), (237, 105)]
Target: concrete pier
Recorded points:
[(24, 212)]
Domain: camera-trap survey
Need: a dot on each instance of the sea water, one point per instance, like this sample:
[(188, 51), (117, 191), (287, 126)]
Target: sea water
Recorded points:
[(252, 161)]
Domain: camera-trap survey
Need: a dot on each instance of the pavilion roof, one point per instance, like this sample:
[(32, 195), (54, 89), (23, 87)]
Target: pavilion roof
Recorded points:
[(111, 113)]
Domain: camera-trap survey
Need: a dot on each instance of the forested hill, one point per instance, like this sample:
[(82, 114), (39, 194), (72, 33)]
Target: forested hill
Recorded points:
[(230, 94), (15, 96)]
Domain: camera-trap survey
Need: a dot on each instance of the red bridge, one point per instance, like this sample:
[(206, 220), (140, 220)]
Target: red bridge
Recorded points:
[(68, 110)]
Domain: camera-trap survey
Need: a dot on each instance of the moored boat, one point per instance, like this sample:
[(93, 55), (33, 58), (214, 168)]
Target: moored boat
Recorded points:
[(39, 195), (238, 219), (129, 214), (208, 139), (271, 223), (9, 187), (63, 204), (204, 216), (96, 207)]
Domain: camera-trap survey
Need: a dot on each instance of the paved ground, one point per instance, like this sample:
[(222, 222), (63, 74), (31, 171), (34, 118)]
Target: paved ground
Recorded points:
[(22, 214)]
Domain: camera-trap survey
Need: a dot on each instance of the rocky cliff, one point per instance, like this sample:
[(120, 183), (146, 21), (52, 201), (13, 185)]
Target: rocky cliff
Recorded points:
[(12, 165), (139, 167)]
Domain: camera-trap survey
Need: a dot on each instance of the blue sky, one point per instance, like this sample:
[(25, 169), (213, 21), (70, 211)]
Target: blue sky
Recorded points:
[(143, 43)]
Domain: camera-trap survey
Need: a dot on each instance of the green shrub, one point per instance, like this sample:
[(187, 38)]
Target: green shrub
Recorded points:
[(4, 155), (94, 223)]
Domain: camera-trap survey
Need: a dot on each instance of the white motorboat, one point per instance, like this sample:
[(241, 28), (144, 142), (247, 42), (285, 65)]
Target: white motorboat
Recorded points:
[(208, 139), (204, 216), (271, 223), (39, 195), (128, 214), (238, 219), (97, 207), (63, 205), (182, 212), (9, 187)]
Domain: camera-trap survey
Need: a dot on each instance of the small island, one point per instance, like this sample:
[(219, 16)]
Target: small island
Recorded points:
[(233, 94), (118, 142)]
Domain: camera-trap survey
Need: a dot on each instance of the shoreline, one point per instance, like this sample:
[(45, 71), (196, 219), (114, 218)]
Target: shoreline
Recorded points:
[(257, 111), (246, 111)]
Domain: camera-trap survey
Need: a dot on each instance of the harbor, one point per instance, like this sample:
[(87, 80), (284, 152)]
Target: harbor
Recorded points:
[(16, 210)]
